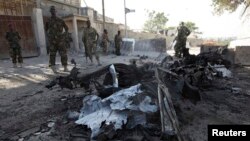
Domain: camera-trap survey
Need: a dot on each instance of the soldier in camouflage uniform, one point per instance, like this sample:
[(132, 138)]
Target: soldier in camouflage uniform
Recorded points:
[(68, 39), (54, 28), (105, 40), (13, 38), (181, 39), (90, 38), (118, 43)]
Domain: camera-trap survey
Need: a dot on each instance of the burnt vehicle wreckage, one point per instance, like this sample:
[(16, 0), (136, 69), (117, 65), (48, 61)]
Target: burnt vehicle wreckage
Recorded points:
[(127, 102)]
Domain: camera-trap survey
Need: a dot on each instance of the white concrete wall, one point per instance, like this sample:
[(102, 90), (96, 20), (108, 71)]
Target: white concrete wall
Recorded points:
[(243, 37), (245, 25), (239, 42), (37, 19)]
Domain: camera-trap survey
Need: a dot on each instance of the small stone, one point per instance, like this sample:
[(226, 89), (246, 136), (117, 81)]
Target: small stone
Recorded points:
[(37, 133), (29, 132), (51, 124), (21, 139), (236, 90)]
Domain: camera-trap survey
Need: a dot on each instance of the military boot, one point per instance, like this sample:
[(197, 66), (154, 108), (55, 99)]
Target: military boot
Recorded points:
[(99, 63), (66, 69), (14, 65), (21, 65), (53, 68)]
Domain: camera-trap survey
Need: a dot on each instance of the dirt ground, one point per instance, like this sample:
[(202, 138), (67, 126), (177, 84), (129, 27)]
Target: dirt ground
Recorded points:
[(219, 105), (27, 107)]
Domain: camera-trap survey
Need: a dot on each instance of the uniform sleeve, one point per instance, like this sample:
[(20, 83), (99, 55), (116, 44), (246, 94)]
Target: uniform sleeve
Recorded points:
[(83, 36), (108, 38), (103, 37), (97, 35), (187, 31), (7, 35), (120, 38), (65, 26), (115, 38), (96, 32), (46, 26), (18, 35)]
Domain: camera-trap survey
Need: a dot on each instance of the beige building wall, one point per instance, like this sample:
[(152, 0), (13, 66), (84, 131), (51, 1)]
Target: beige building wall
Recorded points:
[(62, 9), (17, 8), (112, 29), (71, 2)]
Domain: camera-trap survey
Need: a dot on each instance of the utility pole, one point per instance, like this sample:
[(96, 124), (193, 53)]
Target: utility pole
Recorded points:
[(125, 18), (103, 14), (38, 3)]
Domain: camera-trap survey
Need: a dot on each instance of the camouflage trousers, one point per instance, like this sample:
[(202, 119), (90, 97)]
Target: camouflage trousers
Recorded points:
[(105, 47), (179, 47), (91, 49), (61, 48), (16, 55), (118, 49)]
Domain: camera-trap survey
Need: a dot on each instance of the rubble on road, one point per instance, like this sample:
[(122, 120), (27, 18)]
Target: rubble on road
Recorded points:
[(188, 75), (115, 109), (122, 99)]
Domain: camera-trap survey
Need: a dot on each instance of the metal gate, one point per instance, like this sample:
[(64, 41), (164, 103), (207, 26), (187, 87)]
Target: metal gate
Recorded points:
[(23, 25)]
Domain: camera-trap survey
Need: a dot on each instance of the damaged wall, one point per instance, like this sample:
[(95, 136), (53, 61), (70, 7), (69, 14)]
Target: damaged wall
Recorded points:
[(242, 55)]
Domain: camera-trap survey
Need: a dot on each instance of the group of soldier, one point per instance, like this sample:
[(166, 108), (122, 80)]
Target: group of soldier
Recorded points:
[(56, 37)]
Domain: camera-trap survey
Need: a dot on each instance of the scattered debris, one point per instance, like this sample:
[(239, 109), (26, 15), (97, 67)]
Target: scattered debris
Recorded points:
[(222, 71), (122, 98), (143, 57), (28, 132), (188, 75), (73, 115), (113, 109), (51, 124), (236, 90)]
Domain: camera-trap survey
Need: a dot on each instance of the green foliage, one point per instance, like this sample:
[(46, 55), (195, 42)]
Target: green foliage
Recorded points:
[(171, 28), (191, 26), (220, 6), (156, 21)]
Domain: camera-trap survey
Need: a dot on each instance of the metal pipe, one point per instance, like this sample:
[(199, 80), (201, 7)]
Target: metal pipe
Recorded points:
[(22, 7), (125, 18), (103, 14)]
